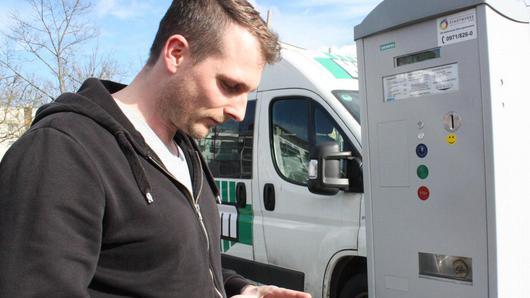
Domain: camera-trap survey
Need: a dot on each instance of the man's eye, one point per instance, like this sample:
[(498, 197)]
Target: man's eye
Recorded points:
[(230, 87)]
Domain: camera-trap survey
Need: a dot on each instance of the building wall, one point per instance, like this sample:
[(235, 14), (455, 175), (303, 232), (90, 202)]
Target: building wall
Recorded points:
[(13, 123)]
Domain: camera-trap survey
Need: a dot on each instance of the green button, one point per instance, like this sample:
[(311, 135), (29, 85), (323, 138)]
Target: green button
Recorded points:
[(422, 171)]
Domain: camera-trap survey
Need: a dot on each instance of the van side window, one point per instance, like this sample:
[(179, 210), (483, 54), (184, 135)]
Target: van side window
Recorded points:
[(228, 147), (297, 125), (326, 130), (290, 138)]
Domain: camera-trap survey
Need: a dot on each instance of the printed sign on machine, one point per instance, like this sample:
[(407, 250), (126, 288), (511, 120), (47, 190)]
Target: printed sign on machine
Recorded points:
[(430, 81)]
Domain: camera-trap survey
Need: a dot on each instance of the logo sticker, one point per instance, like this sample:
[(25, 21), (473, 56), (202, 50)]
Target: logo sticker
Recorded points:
[(444, 24), (456, 28), (387, 46)]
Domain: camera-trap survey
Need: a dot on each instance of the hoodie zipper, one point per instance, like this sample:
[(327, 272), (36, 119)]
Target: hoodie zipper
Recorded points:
[(195, 203), (204, 227)]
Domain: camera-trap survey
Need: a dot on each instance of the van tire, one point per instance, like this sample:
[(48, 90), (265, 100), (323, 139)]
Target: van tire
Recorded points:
[(355, 287)]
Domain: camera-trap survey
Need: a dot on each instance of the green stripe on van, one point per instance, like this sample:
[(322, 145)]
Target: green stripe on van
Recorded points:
[(224, 192), (246, 219), (336, 70), (232, 192), (226, 244)]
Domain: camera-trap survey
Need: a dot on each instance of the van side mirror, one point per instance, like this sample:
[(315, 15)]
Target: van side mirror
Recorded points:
[(324, 170)]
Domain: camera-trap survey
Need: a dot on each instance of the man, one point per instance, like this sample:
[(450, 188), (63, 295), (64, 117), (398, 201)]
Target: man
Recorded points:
[(107, 194)]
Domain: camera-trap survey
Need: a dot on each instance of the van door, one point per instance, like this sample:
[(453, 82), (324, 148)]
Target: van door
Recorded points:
[(302, 230), (228, 150)]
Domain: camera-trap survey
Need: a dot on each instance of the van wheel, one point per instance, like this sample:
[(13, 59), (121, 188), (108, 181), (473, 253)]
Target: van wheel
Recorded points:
[(355, 287)]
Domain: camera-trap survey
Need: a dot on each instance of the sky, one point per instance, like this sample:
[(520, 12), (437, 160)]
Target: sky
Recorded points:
[(310, 24), (127, 27)]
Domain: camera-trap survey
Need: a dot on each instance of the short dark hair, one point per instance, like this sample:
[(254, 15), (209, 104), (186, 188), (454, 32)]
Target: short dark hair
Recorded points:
[(202, 23)]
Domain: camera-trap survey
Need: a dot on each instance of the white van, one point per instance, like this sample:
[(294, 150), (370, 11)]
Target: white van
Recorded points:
[(274, 230)]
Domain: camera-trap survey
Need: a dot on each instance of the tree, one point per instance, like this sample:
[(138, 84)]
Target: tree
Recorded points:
[(43, 56)]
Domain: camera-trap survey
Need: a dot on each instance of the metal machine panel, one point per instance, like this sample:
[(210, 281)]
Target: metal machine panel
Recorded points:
[(437, 158)]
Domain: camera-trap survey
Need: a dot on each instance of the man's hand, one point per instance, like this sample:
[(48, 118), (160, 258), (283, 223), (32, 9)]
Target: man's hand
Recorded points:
[(270, 292)]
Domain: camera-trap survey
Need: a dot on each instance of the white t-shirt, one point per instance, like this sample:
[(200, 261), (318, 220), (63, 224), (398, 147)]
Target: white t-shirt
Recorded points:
[(175, 164)]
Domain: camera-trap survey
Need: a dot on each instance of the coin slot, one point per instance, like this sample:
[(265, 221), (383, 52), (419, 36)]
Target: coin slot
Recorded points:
[(452, 121)]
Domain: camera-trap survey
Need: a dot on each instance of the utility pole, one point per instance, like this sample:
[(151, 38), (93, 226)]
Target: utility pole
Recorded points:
[(269, 18)]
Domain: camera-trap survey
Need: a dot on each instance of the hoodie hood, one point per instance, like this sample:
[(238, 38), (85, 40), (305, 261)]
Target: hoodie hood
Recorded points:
[(94, 100)]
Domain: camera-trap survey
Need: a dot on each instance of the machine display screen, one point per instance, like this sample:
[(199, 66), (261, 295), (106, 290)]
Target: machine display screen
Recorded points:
[(417, 57)]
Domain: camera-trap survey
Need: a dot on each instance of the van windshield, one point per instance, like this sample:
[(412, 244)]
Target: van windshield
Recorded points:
[(350, 100)]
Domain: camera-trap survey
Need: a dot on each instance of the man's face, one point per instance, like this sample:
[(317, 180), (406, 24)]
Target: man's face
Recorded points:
[(214, 90)]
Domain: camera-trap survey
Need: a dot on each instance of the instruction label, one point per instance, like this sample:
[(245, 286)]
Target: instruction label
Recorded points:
[(430, 81), (457, 27)]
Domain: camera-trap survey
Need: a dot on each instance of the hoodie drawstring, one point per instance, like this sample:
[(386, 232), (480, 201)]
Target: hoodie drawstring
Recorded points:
[(135, 164)]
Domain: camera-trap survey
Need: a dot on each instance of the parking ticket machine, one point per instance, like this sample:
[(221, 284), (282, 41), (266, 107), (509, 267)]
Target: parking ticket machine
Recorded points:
[(446, 148)]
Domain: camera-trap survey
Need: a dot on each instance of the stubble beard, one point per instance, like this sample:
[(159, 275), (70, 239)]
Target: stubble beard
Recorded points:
[(176, 109)]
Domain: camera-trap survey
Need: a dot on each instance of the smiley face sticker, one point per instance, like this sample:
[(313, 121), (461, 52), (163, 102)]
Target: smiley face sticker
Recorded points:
[(451, 139)]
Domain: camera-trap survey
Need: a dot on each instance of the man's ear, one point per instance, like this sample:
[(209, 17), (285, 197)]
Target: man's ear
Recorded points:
[(175, 52)]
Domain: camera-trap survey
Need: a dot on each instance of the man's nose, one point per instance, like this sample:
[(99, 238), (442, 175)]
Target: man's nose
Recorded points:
[(237, 108)]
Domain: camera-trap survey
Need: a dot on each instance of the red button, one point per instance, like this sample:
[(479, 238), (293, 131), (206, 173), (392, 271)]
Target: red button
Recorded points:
[(423, 193)]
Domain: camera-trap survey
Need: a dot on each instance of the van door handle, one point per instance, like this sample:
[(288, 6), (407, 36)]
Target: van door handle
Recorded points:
[(241, 195), (269, 198)]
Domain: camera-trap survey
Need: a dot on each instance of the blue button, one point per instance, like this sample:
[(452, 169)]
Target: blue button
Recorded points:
[(421, 150)]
